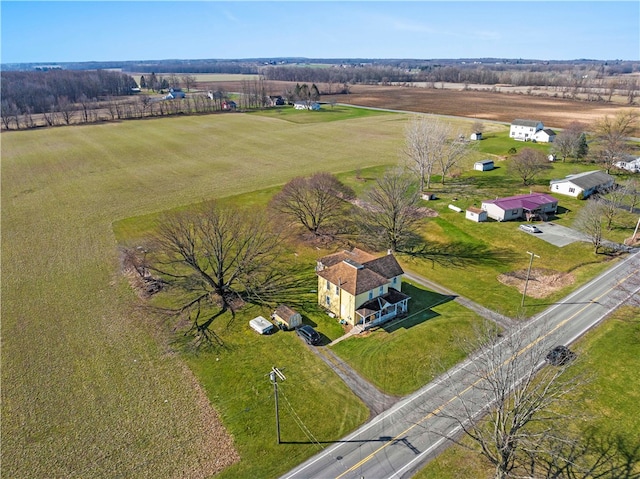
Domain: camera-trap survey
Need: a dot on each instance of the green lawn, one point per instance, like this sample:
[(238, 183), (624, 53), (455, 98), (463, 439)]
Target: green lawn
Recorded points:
[(610, 355), (402, 357)]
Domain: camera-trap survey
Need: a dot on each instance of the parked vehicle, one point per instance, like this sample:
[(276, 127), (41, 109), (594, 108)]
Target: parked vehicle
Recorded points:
[(530, 228), (309, 334), (560, 355)]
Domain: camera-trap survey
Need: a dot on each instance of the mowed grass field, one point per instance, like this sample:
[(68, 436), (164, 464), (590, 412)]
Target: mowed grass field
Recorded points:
[(86, 389)]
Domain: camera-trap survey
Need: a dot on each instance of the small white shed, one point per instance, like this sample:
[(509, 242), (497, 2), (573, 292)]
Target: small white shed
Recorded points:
[(476, 214), (261, 325), (484, 165), (476, 136), (286, 317)]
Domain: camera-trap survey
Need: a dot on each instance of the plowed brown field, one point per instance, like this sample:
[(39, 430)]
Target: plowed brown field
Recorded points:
[(482, 104)]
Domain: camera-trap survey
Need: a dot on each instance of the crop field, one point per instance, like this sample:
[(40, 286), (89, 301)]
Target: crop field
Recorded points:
[(91, 385), (553, 111)]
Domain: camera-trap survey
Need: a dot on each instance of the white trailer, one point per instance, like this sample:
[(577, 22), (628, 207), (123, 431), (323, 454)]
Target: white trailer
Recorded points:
[(261, 325)]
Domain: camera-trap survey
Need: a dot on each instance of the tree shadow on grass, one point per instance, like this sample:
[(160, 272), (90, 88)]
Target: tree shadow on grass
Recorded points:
[(420, 308), (456, 254)]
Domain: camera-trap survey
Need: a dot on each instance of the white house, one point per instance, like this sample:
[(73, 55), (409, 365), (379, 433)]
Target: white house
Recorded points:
[(583, 184), (629, 164), (484, 165), (305, 105), (529, 207), (524, 130)]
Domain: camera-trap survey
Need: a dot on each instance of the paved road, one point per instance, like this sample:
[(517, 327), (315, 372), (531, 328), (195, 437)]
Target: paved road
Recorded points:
[(398, 442)]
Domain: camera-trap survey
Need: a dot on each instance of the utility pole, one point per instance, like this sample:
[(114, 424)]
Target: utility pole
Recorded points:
[(526, 282), (274, 375)]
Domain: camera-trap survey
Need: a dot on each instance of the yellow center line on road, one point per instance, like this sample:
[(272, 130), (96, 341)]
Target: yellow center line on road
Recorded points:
[(461, 393)]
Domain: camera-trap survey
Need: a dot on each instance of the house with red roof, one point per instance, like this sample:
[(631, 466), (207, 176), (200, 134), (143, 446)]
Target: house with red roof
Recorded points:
[(360, 288), (528, 207)]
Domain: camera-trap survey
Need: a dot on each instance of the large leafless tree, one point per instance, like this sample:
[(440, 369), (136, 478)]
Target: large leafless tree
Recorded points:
[(590, 221), (522, 402), (432, 146), (611, 137), (528, 164), (389, 213), (213, 260), (316, 202)]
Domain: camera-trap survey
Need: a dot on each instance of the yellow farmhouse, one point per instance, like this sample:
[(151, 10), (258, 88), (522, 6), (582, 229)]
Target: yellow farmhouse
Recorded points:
[(360, 288)]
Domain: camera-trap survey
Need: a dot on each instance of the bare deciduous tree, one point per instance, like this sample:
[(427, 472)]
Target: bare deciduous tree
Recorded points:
[(315, 202), (590, 222), (522, 402), (631, 188), (425, 141), (189, 81), (611, 137), (567, 143), (612, 203), (390, 212), (528, 164), (214, 260)]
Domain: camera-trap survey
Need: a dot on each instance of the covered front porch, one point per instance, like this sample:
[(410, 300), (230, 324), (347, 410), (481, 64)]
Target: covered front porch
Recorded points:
[(383, 308)]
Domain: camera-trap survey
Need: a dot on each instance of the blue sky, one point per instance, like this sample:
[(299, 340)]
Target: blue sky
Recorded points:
[(149, 30)]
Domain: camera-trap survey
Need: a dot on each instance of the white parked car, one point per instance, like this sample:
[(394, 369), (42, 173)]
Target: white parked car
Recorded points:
[(530, 228)]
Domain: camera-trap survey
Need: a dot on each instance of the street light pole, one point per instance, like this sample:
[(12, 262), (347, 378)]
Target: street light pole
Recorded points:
[(526, 282)]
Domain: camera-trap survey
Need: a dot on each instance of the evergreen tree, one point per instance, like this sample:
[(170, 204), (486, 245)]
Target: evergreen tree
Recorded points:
[(583, 147)]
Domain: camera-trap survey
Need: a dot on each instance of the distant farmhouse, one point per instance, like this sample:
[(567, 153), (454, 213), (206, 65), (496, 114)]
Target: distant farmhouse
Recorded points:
[(583, 185), (175, 93), (305, 105), (531, 130), (630, 164), (529, 207), (361, 289)]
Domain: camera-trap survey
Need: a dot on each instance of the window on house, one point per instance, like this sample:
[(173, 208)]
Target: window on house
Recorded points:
[(328, 300), (370, 294), (572, 190), (328, 285), (337, 290), (395, 280), (381, 290)]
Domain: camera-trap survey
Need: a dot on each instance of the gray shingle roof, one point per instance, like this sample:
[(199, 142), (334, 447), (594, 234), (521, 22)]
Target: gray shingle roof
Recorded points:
[(521, 122), (587, 180)]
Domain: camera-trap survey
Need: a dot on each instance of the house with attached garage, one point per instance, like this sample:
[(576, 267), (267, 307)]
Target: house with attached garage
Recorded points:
[(524, 130), (531, 130), (359, 288), (528, 207), (583, 185)]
